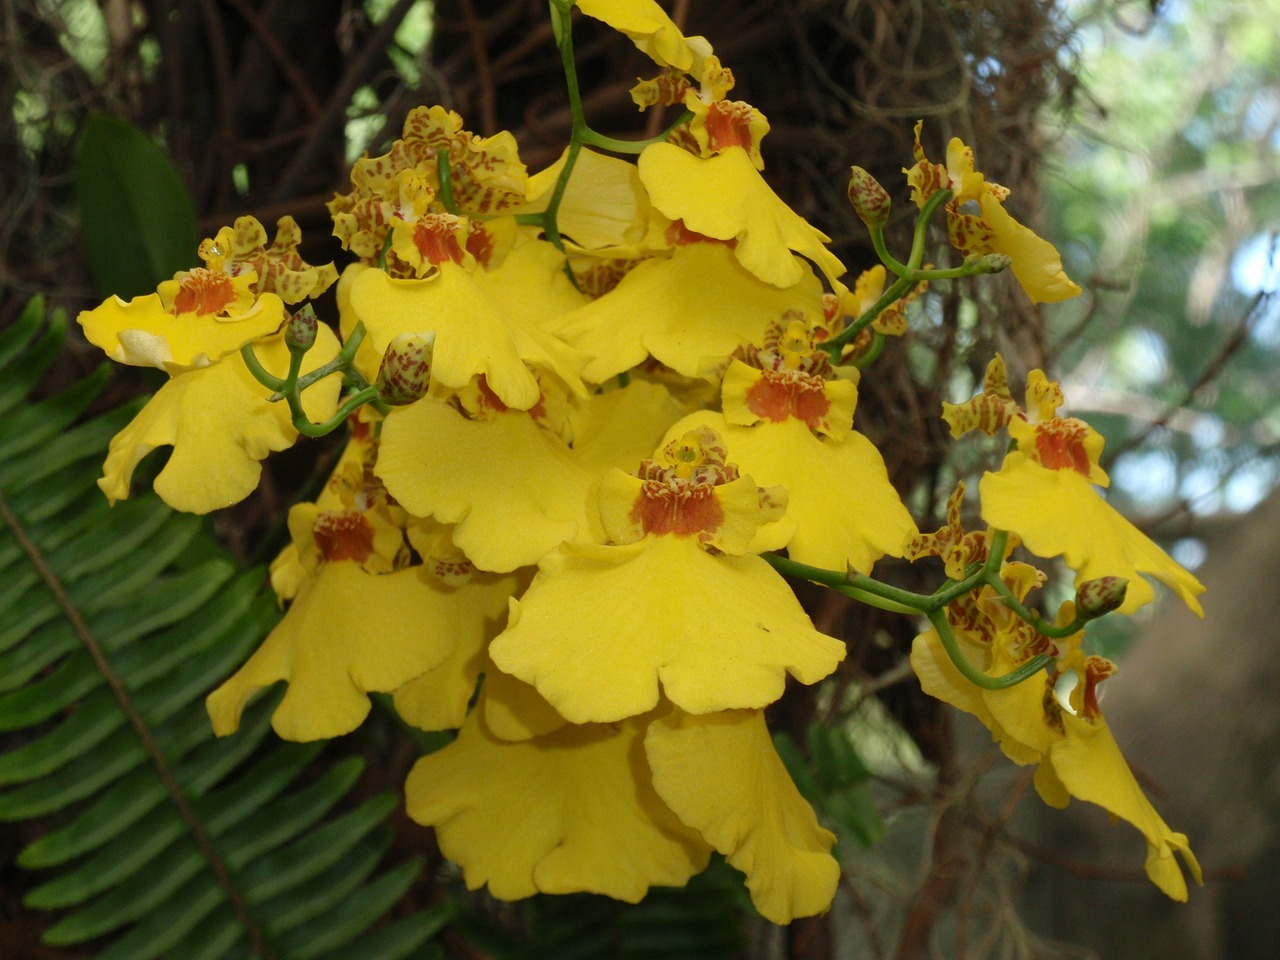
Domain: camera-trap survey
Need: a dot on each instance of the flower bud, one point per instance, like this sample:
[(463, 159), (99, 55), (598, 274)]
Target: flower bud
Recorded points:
[(406, 368), (300, 331), (1097, 597), (870, 201), (994, 263)]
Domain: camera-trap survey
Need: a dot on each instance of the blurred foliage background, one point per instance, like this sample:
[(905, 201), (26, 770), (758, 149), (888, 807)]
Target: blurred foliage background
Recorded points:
[(1141, 136)]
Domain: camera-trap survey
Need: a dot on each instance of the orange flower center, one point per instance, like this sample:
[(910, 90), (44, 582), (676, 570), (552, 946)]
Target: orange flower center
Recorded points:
[(679, 235), (1096, 670), (685, 508), (781, 394), (729, 125), (680, 496), (1060, 445), (480, 244), (436, 238), (204, 292), (343, 536)]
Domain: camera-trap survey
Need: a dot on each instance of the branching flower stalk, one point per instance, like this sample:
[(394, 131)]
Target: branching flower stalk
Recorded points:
[(596, 413)]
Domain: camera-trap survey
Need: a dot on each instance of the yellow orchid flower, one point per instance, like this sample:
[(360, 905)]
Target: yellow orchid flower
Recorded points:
[(686, 311), (788, 417), (280, 267), (358, 623), (1044, 491), (367, 613), (891, 321), (477, 328), (956, 547), (603, 206), (1035, 262), (653, 32), (679, 602), (485, 174), (721, 194), (1069, 739), (191, 321), (221, 425)]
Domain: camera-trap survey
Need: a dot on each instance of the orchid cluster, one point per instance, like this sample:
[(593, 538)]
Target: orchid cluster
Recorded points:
[(589, 409)]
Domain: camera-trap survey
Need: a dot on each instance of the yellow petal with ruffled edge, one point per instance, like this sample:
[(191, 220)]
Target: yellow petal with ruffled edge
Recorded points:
[(653, 32), (601, 627), (514, 710), (436, 462), (603, 205), (532, 292), (1036, 265), (572, 811), (721, 774), (141, 332), (474, 334), (347, 633), (845, 509), (726, 197), (1089, 764), (940, 679), (368, 358), (1059, 512), (698, 304), (619, 428), (513, 488), (966, 183), (438, 699), (220, 424), (1021, 726)]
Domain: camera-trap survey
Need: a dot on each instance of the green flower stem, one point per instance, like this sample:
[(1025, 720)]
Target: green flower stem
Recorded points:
[(580, 134), (921, 233), (899, 289), (996, 551), (1033, 617), (895, 600), (290, 387), (912, 601), (295, 368), (304, 425), (955, 589), (562, 26), (355, 379), (877, 240), (909, 274), (873, 352), (260, 373), (613, 145), (342, 363), (444, 179), (952, 273), (386, 248), (863, 588), (938, 619)]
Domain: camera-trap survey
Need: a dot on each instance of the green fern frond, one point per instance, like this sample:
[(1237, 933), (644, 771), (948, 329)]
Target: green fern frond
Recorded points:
[(702, 921), (163, 840)]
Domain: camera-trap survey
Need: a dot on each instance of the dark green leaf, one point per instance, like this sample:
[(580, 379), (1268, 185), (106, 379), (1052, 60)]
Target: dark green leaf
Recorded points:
[(138, 220)]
